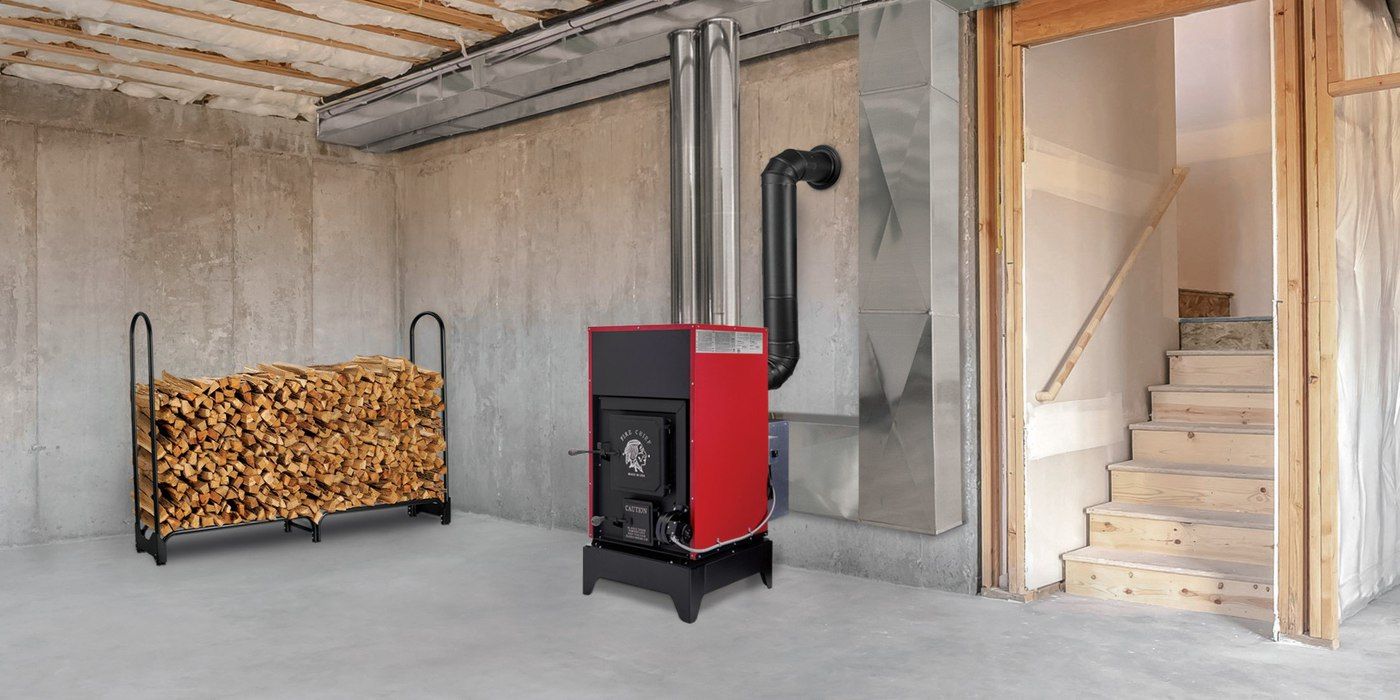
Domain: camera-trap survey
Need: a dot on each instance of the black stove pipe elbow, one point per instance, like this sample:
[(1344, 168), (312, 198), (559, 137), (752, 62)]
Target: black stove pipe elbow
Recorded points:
[(821, 168)]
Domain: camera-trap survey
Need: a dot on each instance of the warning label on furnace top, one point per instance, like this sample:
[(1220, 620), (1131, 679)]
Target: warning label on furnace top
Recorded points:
[(728, 342)]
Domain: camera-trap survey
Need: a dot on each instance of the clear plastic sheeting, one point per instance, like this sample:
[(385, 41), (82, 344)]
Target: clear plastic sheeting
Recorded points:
[(1367, 142)]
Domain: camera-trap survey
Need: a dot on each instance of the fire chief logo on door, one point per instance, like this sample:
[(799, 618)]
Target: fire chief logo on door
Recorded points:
[(639, 465), (634, 453)]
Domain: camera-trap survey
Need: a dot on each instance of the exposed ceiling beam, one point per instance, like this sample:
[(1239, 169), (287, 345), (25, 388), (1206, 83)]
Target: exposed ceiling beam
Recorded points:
[(95, 55), (19, 58), (237, 24), (404, 34), (257, 66), (440, 13)]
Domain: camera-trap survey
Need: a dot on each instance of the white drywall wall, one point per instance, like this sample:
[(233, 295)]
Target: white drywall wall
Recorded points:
[(1101, 142), (1367, 141), (1225, 135)]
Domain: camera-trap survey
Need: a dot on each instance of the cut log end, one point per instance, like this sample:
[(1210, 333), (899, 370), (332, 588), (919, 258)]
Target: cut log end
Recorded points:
[(282, 441)]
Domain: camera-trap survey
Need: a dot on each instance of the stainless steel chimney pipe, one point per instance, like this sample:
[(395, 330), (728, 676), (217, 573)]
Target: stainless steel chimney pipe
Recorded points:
[(687, 288), (719, 129)]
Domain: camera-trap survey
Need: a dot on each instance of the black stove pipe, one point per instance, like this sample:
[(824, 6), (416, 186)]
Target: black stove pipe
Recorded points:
[(821, 168)]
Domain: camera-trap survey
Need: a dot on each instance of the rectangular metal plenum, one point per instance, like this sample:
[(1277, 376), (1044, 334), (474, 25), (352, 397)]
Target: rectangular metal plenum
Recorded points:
[(910, 437)]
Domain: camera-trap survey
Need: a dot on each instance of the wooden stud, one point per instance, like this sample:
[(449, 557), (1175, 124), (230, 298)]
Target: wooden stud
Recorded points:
[(1362, 86), (1012, 160), (1321, 294), (1332, 28), (988, 302), (1290, 371)]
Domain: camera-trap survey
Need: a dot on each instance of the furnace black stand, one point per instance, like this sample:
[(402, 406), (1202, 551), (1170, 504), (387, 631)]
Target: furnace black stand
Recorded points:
[(153, 541), (686, 581)]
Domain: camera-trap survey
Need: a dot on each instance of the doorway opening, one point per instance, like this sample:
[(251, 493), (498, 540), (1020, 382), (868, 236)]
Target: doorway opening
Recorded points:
[(1146, 315)]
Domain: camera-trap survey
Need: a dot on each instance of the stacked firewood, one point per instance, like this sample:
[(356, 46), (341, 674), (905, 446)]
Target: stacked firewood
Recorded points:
[(282, 441)]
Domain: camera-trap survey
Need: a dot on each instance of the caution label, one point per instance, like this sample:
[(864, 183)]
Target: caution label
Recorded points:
[(728, 342)]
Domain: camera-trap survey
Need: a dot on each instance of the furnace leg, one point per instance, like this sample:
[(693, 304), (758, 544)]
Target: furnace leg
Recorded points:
[(687, 604), (590, 573)]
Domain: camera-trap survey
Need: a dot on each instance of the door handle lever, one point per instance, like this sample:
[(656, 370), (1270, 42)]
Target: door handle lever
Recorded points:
[(601, 451)]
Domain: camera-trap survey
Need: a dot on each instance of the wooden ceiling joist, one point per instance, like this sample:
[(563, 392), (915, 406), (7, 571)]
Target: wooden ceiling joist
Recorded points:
[(404, 34), (20, 58), (187, 54), (157, 40), (271, 31), (95, 55), (427, 9)]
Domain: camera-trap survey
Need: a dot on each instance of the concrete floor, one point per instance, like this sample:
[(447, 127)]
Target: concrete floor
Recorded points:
[(484, 607)]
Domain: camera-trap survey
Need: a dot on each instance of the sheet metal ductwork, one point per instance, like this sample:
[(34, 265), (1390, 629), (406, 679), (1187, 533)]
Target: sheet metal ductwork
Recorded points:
[(820, 168)]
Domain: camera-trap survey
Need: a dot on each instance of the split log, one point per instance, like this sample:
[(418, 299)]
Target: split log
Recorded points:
[(285, 441)]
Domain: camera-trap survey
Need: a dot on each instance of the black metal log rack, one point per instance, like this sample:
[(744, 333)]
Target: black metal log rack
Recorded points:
[(153, 541)]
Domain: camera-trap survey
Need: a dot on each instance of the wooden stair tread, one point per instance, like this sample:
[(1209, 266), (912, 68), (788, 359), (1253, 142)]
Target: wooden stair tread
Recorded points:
[(1191, 566), (1212, 353), (1226, 471), (1199, 516), (1176, 427), (1213, 388)]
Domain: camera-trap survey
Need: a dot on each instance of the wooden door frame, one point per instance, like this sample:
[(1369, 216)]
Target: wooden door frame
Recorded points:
[(1305, 55)]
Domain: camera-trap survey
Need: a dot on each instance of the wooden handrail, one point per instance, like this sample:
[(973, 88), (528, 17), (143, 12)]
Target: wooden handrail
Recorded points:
[(1159, 209)]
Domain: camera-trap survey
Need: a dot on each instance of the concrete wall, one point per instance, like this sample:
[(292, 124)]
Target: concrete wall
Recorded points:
[(1101, 141), (526, 235), (242, 237), (265, 245), (1225, 134)]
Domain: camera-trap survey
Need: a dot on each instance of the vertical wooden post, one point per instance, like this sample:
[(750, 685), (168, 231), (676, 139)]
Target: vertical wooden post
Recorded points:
[(989, 301), (1290, 371), (1012, 162), (1000, 138), (1321, 299)]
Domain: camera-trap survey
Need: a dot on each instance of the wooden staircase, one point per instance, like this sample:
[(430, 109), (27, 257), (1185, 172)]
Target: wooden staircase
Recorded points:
[(1190, 523)]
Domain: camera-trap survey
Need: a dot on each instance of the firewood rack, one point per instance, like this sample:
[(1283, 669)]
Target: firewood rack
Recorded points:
[(153, 541)]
